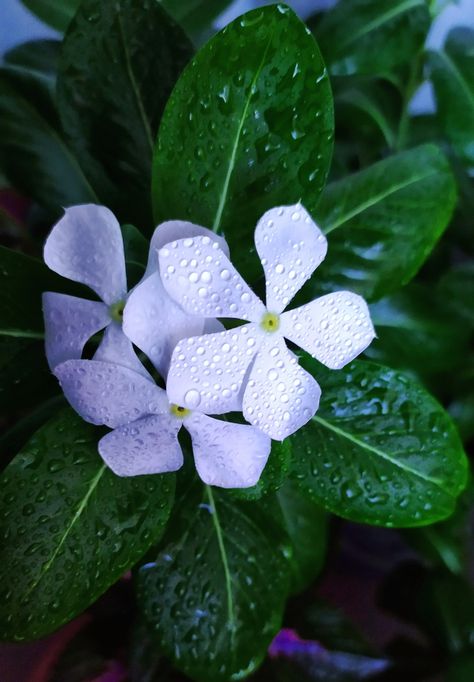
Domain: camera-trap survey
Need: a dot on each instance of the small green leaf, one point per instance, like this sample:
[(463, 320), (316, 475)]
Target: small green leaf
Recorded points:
[(70, 527), (372, 36), (307, 526), (33, 154), (401, 206), (55, 13), (452, 74), (118, 64), (248, 126), (380, 449), (215, 590)]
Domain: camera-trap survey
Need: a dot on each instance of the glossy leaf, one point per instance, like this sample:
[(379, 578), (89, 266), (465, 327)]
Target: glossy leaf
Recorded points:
[(70, 527), (214, 591), (452, 74), (118, 64), (307, 526), (380, 449), (56, 13), (383, 222), (33, 154), (372, 36), (249, 126)]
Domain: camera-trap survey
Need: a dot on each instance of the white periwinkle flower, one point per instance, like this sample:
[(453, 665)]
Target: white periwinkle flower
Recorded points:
[(146, 426), (86, 246), (207, 371)]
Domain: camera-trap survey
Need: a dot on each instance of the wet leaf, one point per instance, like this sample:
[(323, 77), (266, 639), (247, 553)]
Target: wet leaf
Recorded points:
[(119, 62), (214, 592), (70, 527), (273, 476), (380, 449), (56, 13), (248, 126)]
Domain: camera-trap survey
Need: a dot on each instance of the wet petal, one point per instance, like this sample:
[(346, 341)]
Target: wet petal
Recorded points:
[(147, 446), (200, 277), (280, 396), (69, 323), (291, 246), (116, 348), (207, 372), (173, 230), (227, 455), (103, 393), (334, 329), (86, 246), (155, 323)]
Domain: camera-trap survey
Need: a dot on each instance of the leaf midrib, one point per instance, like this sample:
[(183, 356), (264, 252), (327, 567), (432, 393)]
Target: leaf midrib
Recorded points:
[(379, 453), (365, 205), (77, 514)]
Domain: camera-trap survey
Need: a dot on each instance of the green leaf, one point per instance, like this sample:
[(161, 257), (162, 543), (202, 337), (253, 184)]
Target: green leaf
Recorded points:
[(452, 74), (457, 290), (55, 13), (195, 16), (380, 449), (416, 333), (401, 206), (307, 526), (273, 476), (372, 36), (33, 154), (33, 67), (248, 126), (136, 253), (70, 527), (118, 64), (215, 590)]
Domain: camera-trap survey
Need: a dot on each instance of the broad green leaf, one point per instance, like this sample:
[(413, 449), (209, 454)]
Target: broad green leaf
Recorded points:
[(380, 449), (372, 36), (70, 527), (457, 290), (136, 253), (118, 64), (383, 222), (248, 126), (33, 154), (33, 66), (452, 74), (214, 591), (195, 16), (307, 526), (273, 476), (415, 333), (56, 13)]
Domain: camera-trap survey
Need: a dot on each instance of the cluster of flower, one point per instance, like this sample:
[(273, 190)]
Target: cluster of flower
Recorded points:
[(171, 317)]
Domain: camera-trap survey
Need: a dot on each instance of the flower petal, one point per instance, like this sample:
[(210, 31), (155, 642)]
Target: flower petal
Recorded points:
[(146, 446), (227, 455), (116, 348), (207, 372), (200, 277), (334, 329), (86, 246), (291, 246), (155, 323), (103, 393), (280, 396), (170, 231), (69, 323)]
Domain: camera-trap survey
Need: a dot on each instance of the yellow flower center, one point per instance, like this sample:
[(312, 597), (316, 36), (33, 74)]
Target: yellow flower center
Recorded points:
[(116, 311), (270, 322), (178, 411)]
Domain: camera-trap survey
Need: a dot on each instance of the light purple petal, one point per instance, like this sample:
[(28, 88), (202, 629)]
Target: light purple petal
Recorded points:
[(334, 329), (207, 372), (200, 277), (103, 393), (227, 455), (116, 348), (172, 230), (291, 246), (146, 446), (86, 246), (69, 323), (280, 396), (155, 323)]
